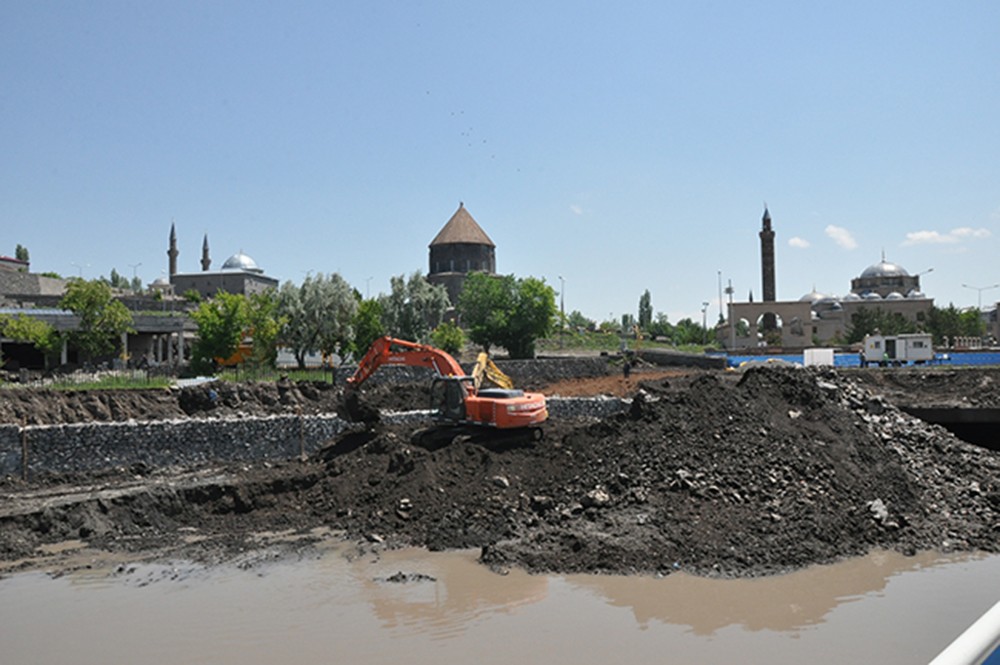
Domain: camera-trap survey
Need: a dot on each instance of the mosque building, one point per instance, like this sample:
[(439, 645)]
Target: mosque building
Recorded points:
[(459, 248), (239, 274), (818, 318)]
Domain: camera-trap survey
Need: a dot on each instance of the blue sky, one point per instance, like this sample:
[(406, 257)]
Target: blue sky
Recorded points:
[(619, 146)]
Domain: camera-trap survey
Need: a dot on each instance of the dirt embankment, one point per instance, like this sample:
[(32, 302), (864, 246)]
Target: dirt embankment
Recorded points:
[(939, 387), (716, 473)]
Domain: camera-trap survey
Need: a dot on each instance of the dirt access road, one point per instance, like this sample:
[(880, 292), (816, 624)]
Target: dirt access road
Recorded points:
[(712, 472)]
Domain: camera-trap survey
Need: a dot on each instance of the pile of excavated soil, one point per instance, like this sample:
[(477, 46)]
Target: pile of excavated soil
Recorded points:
[(939, 387), (712, 473)]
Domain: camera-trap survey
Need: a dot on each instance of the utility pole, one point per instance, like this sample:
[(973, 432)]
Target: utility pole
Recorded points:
[(732, 324), (704, 323), (562, 310)]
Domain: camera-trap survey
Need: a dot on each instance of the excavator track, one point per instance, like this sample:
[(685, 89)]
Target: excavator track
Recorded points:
[(438, 436)]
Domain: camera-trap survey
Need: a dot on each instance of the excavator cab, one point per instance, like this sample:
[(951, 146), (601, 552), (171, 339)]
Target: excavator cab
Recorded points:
[(448, 398)]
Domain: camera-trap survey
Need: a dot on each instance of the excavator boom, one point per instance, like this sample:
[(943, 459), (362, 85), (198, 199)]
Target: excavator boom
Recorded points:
[(391, 351), (460, 399)]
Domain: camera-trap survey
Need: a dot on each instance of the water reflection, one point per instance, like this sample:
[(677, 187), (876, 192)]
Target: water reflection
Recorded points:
[(780, 603), (304, 611), (461, 593)]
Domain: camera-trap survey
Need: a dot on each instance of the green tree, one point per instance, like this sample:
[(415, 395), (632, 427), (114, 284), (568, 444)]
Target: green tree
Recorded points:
[(645, 310), (448, 337), (577, 321), (950, 322), (868, 320), (413, 307), (504, 311), (265, 324), (21, 253), (317, 316), (102, 318), (222, 323), (136, 284), (117, 281), (24, 328), (367, 325), (688, 331), (660, 327)]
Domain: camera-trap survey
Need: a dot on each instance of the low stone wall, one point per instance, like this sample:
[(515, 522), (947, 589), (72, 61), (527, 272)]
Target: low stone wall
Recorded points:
[(93, 446), (524, 373), (38, 449)]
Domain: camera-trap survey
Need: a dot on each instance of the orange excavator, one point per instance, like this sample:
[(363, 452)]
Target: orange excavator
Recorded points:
[(459, 399)]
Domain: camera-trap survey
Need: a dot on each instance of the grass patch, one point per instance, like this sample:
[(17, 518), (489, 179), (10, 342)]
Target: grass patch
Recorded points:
[(135, 381)]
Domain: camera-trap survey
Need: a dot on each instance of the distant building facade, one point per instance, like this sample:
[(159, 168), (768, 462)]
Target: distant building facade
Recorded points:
[(240, 274), (459, 248), (818, 318)]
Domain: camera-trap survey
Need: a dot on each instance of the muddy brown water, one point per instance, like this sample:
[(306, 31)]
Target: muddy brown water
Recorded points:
[(883, 608)]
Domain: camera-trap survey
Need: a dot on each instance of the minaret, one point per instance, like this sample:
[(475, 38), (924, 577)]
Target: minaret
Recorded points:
[(205, 260), (172, 252), (767, 266)]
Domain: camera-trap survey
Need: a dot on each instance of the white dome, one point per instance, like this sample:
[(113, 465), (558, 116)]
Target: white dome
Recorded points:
[(870, 295), (885, 269), (813, 297), (895, 295), (915, 293), (852, 296), (241, 261)]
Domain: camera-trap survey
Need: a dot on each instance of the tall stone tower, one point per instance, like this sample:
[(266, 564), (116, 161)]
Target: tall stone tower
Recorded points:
[(459, 248), (206, 262), (767, 266), (172, 252)]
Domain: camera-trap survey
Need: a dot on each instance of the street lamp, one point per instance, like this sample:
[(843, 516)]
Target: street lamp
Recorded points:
[(980, 289), (704, 323)]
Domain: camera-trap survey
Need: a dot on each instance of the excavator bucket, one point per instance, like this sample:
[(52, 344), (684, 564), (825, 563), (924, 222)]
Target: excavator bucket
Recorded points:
[(355, 410)]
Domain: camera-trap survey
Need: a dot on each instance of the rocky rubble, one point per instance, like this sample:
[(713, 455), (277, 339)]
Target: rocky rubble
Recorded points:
[(715, 473)]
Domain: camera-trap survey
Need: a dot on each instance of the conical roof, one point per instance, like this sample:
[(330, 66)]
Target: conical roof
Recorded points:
[(461, 228)]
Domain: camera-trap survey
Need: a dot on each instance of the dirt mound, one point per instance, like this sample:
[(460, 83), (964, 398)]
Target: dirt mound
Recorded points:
[(714, 473), (940, 387)]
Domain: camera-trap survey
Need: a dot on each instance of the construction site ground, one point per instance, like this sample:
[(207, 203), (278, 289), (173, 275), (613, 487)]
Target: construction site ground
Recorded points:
[(722, 473)]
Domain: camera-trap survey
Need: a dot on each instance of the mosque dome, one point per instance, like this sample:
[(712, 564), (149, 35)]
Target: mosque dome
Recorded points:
[(884, 269), (915, 293), (241, 261), (813, 297), (161, 281), (895, 295), (852, 296), (870, 295)]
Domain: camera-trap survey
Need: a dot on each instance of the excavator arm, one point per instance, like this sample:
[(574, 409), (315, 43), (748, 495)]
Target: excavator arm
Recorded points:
[(391, 351), (488, 369)]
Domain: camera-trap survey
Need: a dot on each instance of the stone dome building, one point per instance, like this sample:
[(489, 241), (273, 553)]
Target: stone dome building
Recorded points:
[(240, 274), (820, 318), (459, 248), (885, 278)]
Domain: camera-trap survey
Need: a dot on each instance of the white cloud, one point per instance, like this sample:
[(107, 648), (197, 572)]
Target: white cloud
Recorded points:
[(841, 236), (966, 232), (575, 209), (799, 243), (950, 238)]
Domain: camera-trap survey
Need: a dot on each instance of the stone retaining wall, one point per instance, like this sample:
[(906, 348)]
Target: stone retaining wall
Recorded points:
[(524, 373), (157, 444)]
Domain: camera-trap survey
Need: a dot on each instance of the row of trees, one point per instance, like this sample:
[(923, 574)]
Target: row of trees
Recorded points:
[(326, 315), (942, 323)]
